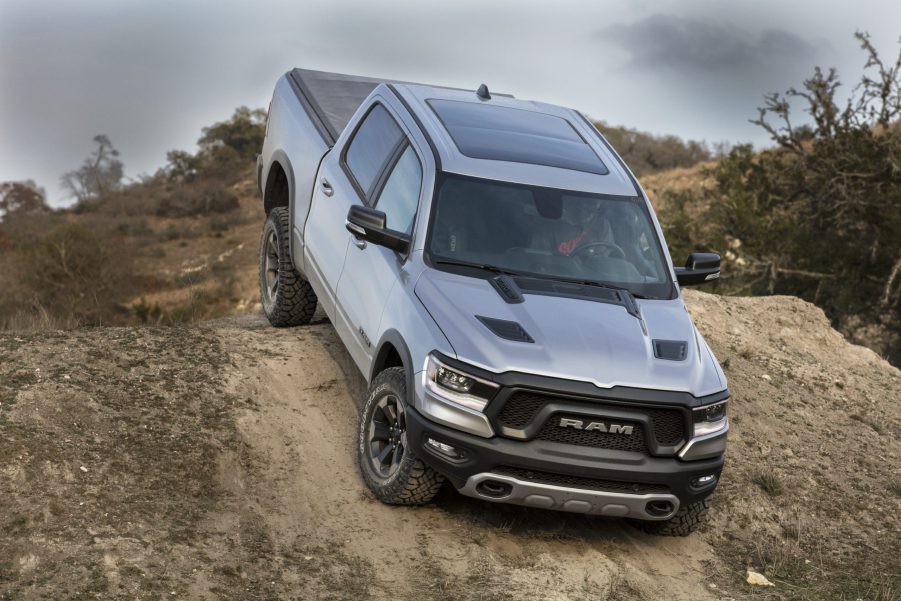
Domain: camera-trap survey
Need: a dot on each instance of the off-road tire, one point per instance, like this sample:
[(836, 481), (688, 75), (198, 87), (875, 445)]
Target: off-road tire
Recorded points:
[(293, 301), (687, 520), (413, 482)]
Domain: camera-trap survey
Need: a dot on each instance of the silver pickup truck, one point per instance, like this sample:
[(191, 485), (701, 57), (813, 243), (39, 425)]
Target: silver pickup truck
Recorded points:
[(500, 279)]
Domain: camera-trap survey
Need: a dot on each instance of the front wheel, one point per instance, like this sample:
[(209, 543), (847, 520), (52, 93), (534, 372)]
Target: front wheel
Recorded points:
[(390, 468), (288, 299)]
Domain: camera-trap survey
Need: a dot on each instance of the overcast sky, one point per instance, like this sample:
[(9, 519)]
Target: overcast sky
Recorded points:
[(151, 74)]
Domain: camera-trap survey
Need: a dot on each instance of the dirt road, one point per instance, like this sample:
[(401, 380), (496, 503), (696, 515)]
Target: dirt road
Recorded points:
[(216, 462), (299, 486)]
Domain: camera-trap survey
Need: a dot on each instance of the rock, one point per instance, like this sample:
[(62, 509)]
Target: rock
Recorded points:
[(766, 377), (758, 579)]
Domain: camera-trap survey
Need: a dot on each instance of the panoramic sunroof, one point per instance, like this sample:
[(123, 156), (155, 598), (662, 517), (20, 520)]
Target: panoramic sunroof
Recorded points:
[(483, 131)]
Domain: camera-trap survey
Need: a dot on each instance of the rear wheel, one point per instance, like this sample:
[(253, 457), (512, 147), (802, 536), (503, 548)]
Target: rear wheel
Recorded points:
[(288, 299), (390, 468), (687, 520)]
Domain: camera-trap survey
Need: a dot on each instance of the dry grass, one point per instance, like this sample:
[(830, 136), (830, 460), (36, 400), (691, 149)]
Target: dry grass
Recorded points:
[(768, 483)]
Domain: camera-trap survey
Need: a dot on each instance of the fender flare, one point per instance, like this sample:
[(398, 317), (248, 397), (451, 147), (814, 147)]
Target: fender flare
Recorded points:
[(393, 337), (281, 158)]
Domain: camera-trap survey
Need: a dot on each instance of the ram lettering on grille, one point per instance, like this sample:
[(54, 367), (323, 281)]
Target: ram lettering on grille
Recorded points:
[(578, 424)]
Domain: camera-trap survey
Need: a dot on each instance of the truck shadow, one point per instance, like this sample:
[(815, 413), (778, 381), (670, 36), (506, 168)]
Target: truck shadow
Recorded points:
[(526, 521)]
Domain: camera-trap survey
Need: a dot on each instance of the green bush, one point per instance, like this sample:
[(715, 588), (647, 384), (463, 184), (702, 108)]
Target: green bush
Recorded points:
[(819, 215)]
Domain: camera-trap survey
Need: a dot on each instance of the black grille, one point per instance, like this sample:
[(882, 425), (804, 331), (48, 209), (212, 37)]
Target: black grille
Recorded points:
[(593, 438), (669, 425), (580, 482), (521, 407)]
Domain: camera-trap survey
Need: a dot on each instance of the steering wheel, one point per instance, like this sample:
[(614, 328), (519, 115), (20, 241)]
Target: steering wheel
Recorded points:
[(590, 247)]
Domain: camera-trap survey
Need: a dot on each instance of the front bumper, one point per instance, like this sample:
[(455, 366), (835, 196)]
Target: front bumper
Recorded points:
[(562, 498), (645, 484)]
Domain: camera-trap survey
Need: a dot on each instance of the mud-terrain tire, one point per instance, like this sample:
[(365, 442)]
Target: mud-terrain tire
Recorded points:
[(288, 299), (406, 479), (687, 520)]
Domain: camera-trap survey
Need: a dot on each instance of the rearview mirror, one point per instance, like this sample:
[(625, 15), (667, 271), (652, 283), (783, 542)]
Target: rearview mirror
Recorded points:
[(700, 268), (370, 224)]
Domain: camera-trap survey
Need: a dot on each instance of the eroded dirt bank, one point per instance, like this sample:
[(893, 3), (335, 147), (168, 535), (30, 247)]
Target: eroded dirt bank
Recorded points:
[(218, 463)]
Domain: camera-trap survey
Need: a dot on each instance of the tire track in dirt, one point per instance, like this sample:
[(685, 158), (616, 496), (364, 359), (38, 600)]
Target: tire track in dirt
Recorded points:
[(297, 498)]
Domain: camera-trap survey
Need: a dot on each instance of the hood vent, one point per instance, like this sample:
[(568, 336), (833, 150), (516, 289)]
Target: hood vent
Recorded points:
[(672, 350), (507, 288), (508, 330)]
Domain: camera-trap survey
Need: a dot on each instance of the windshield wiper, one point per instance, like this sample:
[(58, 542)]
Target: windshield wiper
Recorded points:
[(482, 266), (626, 296), (594, 283)]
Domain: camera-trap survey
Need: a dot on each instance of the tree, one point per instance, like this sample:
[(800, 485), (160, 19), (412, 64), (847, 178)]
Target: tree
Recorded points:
[(22, 198), (819, 215), (243, 132), (646, 153), (181, 164), (100, 174)]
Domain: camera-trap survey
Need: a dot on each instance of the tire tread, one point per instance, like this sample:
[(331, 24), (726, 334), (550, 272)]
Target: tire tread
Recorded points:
[(295, 301), (415, 483), (686, 521)]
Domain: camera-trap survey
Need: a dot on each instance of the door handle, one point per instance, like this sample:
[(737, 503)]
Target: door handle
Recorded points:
[(326, 187), (361, 244)]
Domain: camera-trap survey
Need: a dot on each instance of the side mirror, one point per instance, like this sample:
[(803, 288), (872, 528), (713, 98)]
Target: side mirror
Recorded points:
[(369, 224), (700, 268)]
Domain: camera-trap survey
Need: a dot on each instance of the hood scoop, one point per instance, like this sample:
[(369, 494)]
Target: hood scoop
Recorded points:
[(671, 350), (508, 330)]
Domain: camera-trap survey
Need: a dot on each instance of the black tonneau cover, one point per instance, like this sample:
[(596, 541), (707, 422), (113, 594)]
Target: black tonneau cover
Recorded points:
[(331, 99)]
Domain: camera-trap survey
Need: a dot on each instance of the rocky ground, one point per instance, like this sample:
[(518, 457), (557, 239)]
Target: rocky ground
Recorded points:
[(215, 461)]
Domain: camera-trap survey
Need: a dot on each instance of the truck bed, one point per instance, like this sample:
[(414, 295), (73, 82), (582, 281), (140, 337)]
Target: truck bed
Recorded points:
[(331, 99)]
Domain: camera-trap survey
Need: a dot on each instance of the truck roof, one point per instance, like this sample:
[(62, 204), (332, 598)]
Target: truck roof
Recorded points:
[(499, 137)]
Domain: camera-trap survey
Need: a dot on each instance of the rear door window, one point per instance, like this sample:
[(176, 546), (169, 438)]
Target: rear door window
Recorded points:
[(372, 146)]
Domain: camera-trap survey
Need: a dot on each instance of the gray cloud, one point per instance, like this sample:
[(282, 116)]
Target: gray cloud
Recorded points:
[(667, 41), (151, 74)]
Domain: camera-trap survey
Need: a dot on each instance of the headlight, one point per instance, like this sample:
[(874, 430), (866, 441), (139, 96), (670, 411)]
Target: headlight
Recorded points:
[(455, 386), (709, 418)]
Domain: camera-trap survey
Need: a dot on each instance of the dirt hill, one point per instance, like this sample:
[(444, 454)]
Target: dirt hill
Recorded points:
[(215, 461)]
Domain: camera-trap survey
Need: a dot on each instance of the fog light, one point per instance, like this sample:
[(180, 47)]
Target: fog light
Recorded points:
[(448, 450), (703, 481)]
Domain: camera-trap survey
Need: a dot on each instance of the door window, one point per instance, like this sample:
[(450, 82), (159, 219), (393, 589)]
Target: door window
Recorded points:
[(373, 144), (400, 194)]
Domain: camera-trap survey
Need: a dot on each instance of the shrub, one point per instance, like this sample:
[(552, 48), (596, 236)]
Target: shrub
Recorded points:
[(202, 197), (72, 274)]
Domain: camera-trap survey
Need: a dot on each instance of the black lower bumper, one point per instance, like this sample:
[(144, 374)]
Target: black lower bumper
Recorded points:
[(490, 454)]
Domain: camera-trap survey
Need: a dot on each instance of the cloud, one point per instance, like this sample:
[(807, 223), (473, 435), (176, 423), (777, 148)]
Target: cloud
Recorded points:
[(670, 42)]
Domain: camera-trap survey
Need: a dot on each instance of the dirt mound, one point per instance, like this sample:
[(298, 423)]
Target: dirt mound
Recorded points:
[(219, 464), (812, 486)]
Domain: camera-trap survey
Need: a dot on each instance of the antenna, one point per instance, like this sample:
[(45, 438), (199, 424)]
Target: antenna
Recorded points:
[(483, 93)]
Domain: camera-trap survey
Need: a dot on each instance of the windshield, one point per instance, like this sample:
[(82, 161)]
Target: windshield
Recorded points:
[(549, 233)]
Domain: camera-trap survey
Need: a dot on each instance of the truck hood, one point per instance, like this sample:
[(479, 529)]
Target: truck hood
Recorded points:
[(574, 338)]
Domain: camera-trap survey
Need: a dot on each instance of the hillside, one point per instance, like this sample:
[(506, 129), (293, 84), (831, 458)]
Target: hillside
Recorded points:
[(214, 461)]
